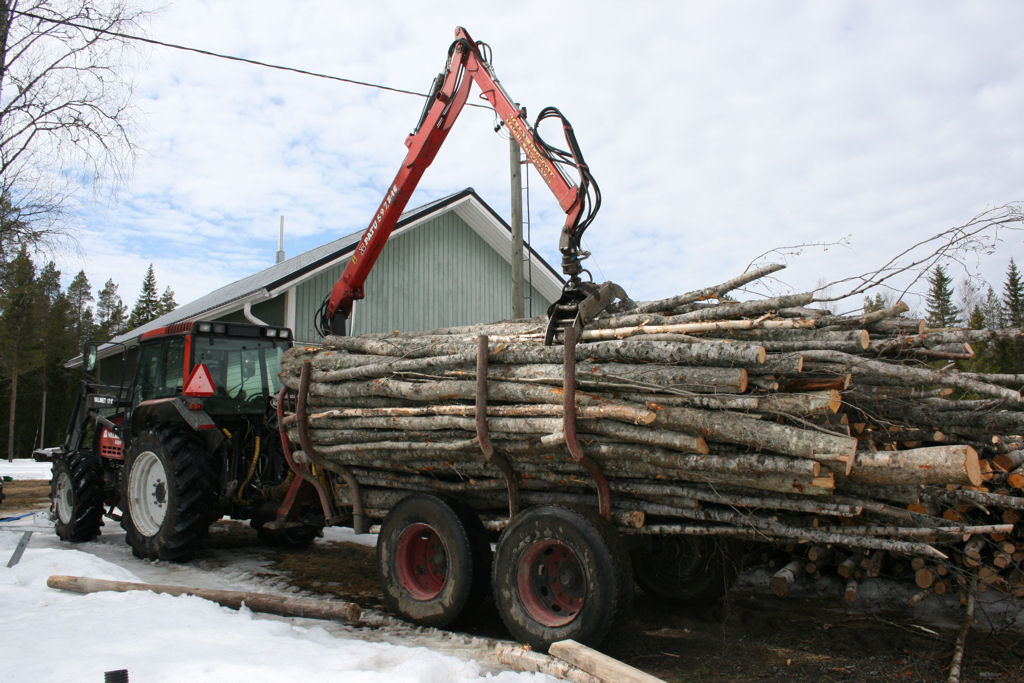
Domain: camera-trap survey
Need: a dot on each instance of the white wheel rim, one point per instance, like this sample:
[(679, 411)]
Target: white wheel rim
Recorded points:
[(148, 493), (62, 498)]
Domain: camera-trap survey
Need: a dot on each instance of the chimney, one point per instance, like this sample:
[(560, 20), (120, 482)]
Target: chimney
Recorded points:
[(280, 242)]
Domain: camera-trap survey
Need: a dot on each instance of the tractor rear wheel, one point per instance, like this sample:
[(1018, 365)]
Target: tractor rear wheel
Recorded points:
[(167, 499), (433, 560), (76, 497), (560, 573)]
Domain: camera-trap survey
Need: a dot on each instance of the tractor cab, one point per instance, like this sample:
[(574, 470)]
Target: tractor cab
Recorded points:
[(221, 369), (189, 436)]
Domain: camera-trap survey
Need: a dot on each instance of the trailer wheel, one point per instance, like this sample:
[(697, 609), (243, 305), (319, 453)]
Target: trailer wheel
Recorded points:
[(558, 574), (430, 560), (694, 570), (167, 499), (76, 497)]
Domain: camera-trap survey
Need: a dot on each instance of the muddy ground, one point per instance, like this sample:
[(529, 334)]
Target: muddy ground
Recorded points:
[(751, 636), (812, 635)]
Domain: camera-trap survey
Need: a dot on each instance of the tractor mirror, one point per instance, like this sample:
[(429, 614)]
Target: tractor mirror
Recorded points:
[(89, 356)]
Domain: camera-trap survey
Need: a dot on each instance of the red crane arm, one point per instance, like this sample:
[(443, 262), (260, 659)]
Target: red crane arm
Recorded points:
[(466, 65)]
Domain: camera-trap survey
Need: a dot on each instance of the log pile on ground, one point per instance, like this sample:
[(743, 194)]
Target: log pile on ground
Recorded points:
[(841, 438)]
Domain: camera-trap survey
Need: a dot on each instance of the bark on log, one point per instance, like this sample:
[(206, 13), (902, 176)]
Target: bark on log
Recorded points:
[(781, 581), (741, 309), (860, 339), (530, 661), (739, 429), (696, 328), (839, 322), (909, 375), (595, 376), (289, 606), (942, 465), (779, 364), (598, 664), (716, 292)]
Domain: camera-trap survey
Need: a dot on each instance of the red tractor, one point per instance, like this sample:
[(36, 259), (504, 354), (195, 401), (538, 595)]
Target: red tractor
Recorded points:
[(188, 437)]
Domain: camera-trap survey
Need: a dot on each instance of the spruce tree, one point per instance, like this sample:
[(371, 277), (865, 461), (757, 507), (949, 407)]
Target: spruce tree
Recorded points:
[(995, 316), (81, 298), (1013, 297), (147, 306), (939, 303), (167, 302), (111, 313), (977, 319), (1011, 353)]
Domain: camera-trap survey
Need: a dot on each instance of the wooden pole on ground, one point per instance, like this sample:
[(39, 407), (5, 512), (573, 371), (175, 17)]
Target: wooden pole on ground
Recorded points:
[(287, 606)]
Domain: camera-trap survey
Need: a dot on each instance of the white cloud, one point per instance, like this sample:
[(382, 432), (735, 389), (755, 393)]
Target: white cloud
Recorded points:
[(716, 131)]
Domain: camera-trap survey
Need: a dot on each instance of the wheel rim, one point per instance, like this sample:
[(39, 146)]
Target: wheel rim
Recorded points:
[(421, 561), (551, 583), (148, 493), (63, 499)]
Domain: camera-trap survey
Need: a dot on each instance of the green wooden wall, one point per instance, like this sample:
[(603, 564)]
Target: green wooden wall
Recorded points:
[(436, 275)]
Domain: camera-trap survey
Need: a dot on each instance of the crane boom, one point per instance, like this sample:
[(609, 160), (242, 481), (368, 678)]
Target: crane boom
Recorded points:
[(466, 65)]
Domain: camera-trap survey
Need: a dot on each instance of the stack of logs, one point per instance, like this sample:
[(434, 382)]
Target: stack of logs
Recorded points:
[(849, 441)]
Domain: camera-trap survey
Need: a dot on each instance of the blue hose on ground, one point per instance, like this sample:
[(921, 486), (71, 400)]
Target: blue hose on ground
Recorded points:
[(11, 519)]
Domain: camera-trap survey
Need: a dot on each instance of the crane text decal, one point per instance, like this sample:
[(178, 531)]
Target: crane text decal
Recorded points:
[(384, 205), (525, 140)]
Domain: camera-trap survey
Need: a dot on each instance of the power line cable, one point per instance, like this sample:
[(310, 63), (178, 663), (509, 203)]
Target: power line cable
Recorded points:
[(232, 58)]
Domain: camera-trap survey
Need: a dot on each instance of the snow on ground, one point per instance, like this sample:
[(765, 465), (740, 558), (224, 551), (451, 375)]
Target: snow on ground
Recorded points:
[(25, 469), (50, 635)]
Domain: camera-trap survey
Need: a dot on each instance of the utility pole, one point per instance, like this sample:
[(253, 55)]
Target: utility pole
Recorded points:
[(516, 171)]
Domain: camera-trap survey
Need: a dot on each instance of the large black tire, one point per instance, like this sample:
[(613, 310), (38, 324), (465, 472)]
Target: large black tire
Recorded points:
[(693, 570), (432, 560), (560, 573), (167, 497), (76, 497)]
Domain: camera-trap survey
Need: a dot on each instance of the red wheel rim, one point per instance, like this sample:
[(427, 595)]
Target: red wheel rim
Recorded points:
[(551, 583), (421, 561)]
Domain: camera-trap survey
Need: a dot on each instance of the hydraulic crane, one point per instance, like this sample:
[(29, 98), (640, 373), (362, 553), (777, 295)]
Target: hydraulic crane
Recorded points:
[(581, 299)]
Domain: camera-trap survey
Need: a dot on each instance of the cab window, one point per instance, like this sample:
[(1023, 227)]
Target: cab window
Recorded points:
[(161, 369)]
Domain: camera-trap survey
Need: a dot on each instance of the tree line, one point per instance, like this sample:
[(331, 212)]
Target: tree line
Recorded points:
[(43, 325), (979, 306)]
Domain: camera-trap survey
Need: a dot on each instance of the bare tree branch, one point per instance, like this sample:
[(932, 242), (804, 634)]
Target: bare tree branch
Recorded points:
[(65, 110)]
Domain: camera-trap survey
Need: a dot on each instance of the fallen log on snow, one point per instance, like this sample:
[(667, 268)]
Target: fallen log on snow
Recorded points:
[(288, 606)]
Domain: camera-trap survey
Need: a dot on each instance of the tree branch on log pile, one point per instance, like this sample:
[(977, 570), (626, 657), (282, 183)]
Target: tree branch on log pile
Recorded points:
[(716, 292)]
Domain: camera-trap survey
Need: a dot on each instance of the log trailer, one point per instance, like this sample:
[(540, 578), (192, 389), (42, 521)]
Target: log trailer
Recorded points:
[(201, 431)]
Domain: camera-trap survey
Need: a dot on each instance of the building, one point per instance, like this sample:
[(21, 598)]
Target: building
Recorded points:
[(447, 263)]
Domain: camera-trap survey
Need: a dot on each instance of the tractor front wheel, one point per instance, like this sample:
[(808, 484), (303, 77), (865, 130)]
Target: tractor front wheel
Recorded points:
[(166, 499), (76, 497)]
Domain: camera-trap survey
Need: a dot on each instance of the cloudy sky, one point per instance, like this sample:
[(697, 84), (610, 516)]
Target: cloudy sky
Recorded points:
[(716, 130)]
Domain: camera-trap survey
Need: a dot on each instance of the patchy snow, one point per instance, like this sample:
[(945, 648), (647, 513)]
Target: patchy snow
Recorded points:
[(51, 635)]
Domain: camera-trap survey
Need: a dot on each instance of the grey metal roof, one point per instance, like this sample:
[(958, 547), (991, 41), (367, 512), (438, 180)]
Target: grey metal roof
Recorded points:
[(281, 273)]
